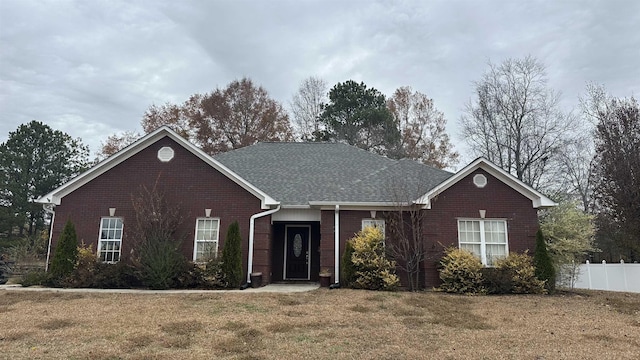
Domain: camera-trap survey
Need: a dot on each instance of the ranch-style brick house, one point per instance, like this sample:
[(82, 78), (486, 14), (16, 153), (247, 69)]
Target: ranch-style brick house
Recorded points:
[(297, 203)]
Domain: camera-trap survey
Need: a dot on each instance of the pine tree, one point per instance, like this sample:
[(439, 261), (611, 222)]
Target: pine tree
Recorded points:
[(543, 263), (232, 256), (66, 253)]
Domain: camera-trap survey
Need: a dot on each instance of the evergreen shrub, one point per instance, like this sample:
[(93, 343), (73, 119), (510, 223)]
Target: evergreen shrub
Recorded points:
[(232, 256), (543, 263), (66, 253), (348, 270)]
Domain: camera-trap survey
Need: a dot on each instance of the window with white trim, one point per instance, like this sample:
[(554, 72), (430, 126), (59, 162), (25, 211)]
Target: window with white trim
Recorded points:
[(205, 246), (487, 239), (377, 223), (110, 241)]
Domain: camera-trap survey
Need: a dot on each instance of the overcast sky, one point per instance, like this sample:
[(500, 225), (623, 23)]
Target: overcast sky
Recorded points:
[(91, 68)]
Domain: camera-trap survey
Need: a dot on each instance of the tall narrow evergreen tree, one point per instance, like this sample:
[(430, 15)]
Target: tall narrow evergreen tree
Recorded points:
[(543, 263), (66, 253), (348, 269), (232, 256)]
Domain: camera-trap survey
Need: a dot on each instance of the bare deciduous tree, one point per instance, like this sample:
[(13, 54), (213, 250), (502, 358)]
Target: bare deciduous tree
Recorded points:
[(407, 246), (617, 167), (405, 224), (306, 106), (575, 168), (514, 120), (422, 128)]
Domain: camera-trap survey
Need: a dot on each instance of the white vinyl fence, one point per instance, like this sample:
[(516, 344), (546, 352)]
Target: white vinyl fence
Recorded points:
[(612, 277)]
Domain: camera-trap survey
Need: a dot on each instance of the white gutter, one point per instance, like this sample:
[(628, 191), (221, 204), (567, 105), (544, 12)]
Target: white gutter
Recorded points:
[(251, 231), (49, 208), (336, 231)]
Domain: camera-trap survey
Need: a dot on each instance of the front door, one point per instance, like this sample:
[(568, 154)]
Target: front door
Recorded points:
[(296, 252)]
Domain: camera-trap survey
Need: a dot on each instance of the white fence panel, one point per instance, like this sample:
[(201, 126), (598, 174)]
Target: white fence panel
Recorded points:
[(611, 277)]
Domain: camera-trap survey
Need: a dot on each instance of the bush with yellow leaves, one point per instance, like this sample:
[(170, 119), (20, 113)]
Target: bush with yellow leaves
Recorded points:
[(519, 269), (460, 272), (373, 270)]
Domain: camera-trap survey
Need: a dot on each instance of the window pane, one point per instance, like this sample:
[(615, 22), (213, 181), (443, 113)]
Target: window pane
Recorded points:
[(475, 249), (495, 252), (495, 232), (206, 239), (469, 231)]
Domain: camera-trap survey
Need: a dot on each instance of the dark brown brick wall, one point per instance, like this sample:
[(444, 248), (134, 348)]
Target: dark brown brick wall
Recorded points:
[(440, 230), (187, 182), (192, 185), (350, 224), (464, 199), (327, 240)]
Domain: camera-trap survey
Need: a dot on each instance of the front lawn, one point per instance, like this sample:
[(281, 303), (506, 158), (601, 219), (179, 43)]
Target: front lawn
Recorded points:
[(322, 324)]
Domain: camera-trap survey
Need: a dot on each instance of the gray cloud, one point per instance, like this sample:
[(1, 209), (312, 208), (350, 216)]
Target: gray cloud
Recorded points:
[(92, 68)]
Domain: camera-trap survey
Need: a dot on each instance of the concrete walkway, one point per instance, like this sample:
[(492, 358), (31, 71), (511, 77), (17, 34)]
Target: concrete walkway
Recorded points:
[(271, 288)]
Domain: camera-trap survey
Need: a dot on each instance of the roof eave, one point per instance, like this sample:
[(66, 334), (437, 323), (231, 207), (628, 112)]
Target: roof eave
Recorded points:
[(538, 200), (56, 195), (355, 205)]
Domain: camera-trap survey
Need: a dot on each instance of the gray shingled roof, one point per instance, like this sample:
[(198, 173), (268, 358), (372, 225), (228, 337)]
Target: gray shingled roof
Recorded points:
[(297, 173)]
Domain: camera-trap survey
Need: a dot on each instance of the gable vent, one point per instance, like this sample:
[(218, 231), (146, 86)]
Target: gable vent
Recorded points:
[(165, 154), (480, 181)]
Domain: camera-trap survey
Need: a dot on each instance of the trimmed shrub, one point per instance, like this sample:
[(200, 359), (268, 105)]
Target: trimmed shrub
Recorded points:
[(115, 276), (35, 277), (348, 269), (496, 281), (91, 273), (192, 278), (543, 263), (4, 271), (232, 256), (373, 270), (520, 270), (84, 270), (66, 253), (460, 272)]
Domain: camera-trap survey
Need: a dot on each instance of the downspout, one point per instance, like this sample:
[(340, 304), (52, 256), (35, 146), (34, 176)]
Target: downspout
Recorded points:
[(49, 208), (336, 260), (251, 231)]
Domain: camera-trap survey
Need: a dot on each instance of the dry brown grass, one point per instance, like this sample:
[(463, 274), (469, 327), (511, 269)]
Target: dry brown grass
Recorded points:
[(323, 324)]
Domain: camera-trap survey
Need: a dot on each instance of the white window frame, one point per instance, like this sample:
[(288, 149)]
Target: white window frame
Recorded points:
[(483, 238), (110, 238), (215, 240), (377, 223)]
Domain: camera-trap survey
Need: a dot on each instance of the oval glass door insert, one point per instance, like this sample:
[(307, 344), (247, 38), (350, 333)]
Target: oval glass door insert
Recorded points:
[(297, 245)]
